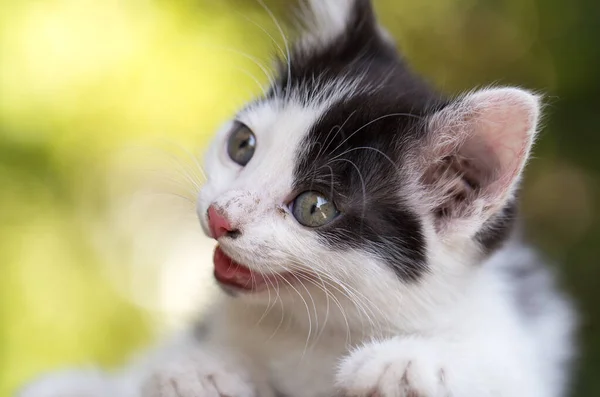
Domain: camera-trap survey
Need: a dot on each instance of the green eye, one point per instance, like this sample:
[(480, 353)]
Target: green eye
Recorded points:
[(312, 209), (241, 144)]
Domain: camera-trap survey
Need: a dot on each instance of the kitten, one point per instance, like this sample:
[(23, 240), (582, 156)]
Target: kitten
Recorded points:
[(366, 241)]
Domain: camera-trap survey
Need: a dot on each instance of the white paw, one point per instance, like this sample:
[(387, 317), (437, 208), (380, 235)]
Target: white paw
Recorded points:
[(198, 376), (76, 383), (394, 368)]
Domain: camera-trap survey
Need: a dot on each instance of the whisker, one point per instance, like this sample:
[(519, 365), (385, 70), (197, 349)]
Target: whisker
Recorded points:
[(193, 158), (315, 311), (253, 59), (305, 305), (251, 76), (369, 148), (279, 48), (337, 132), (285, 41), (328, 296), (282, 313), (374, 121), (361, 302)]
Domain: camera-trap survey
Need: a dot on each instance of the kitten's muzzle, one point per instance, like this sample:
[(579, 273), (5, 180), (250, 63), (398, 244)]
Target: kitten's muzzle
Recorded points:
[(234, 275)]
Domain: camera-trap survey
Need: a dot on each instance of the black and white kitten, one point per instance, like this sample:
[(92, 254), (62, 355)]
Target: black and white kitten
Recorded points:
[(366, 241)]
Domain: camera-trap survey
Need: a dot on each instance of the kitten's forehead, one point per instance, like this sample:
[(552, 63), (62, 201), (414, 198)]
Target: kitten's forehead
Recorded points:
[(281, 127)]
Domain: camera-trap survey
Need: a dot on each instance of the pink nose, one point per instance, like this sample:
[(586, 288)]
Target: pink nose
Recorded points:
[(218, 224)]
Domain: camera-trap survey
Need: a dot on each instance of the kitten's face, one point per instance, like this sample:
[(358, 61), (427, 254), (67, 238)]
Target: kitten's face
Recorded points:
[(353, 174)]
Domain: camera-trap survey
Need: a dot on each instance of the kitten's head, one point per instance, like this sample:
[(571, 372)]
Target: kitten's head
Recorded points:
[(353, 175)]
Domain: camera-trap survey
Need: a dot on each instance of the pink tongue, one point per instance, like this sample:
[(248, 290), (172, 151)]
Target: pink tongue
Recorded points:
[(232, 273)]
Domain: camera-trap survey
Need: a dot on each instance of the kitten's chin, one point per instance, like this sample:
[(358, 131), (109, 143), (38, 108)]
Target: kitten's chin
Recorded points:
[(237, 277)]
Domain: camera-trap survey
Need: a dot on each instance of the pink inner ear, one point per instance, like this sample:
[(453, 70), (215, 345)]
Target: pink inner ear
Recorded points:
[(502, 128), (478, 149)]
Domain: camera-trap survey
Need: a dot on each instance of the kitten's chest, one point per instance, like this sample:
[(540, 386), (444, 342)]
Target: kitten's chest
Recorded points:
[(295, 372), (282, 357)]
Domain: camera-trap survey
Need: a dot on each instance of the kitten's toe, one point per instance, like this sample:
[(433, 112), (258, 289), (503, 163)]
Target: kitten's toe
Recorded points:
[(193, 379), (392, 369)]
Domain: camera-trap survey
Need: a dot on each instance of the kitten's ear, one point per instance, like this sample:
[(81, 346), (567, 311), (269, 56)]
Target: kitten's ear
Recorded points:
[(325, 20), (474, 154)]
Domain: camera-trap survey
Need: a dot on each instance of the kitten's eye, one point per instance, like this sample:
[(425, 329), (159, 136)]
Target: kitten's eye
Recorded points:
[(312, 209), (241, 144)]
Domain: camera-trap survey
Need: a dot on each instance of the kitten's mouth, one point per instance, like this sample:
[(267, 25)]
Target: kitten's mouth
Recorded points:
[(235, 275)]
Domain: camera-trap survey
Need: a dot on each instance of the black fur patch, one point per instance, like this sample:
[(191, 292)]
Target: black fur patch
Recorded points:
[(360, 172), (498, 229)]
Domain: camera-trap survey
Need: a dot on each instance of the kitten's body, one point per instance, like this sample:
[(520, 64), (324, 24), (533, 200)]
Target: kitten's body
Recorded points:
[(418, 287)]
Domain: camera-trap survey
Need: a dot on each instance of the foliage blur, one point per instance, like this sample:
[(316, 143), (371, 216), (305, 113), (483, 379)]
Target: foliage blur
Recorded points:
[(102, 102)]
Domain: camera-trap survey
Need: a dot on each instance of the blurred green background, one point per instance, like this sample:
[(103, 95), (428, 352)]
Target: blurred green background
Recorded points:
[(104, 104)]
